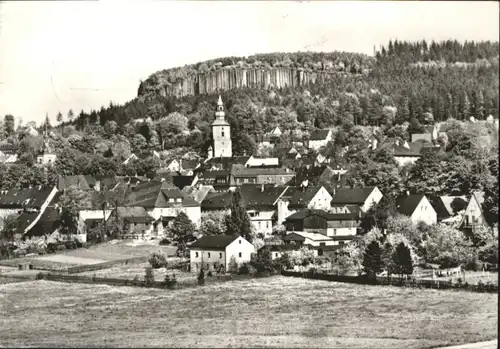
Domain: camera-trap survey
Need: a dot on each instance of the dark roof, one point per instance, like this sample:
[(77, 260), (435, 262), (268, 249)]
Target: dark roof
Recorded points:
[(300, 197), (189, 164), (225, 163), (29, 197), (319, 135), (182, 181), (351, 196), (314, 174), (24, 220), (214, 242), (134, 214), (255, 197), (47, 224), (329, 216), (78, 181), (408, 204), (242, 171), (216, 201)]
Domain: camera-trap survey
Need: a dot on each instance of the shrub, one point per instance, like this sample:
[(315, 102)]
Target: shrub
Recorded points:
[(165, 241), (136, 281), (201, 277), (247, 269), (40, 276), (94, 277), (149, 277), (209, 273), (233, 266), (157, 260), (170, 282)]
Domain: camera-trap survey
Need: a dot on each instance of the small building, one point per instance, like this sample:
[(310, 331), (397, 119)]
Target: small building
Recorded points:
[(364, 197), (319, 139), (137, 222), (315, 175), (447, 207), (214, 252), (340, 225), (407, 153), (299, 238), (473, 217), (260, 161), (418, 208), (302, 197), (46, 156), (220, 180), (261, 175), (132, 157)]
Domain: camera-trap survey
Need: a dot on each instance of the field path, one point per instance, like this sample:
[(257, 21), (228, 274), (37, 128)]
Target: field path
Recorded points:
[(481, 345)]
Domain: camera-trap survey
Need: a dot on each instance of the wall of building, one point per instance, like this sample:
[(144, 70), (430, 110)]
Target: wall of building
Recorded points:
[(275, 179), (404, 160), (209, 258), (318, 144), (473, 214), (321, 201), (262, 221), (372, 199), (424, 213), (222, 141), (193, 212), (238, 246)]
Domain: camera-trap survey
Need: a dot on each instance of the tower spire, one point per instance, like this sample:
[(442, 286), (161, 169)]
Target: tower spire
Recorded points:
[(219, 102)]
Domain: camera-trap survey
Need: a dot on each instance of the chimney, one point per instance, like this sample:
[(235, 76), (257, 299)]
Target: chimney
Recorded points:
[(262, 188), (374, 143)]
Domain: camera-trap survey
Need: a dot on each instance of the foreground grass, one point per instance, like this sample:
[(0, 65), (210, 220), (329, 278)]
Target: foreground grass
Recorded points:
[(272, 312), (129, 271)]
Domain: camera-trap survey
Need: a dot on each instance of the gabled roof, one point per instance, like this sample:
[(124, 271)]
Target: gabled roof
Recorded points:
[(319, 135), (47, 224), (408, 204), (216, 201), (182, 181), (135, 214), (76, 181), (226, 163), (313, 173), (261, 196), (144, 194), (242, 171), (214, 242), (301, 196), (24, 220), (351, 196), (479, 196), (448, 202), (29, 197), (198, 194), (189, 164)]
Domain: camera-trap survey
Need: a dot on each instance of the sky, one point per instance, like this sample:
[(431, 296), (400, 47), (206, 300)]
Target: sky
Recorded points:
[(80, 55)]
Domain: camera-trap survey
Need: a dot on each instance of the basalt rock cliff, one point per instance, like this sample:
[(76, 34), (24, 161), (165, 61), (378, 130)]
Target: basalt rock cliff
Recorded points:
[(260, 71)]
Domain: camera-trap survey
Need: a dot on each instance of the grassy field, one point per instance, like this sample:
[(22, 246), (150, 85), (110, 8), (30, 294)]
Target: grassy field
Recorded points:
[(129, 271), (110, 251), (271, 312)]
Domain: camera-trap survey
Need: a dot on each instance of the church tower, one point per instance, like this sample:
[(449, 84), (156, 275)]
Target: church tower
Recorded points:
[(221, 132)]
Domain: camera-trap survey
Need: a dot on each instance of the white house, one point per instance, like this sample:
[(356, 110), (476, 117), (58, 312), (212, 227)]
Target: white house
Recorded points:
[(132, 157), (418, 208), (473, 216), (364, 197), (214, 252), (255, 161), (307, 238), (320, 138), (298, 198)]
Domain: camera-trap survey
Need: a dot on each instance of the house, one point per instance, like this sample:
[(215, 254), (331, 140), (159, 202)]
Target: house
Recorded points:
[(217, 202), (96, 212), (76, 182), (260, 161), (224, 163), (407, 153), (46, 156), (473, 216), (162, 200), (214, 252), (33, 199), (138, 223), (297, 198), (314, 175), (132, 157), (319, 139), (341, 226), (269, 138), (364, 197), (261, 203), (183, 166), (197, 192), (301, 238), (430, 134), (447, 207), (7, 159), (418, 208), (260, 175), (181, 181), (220, 180)]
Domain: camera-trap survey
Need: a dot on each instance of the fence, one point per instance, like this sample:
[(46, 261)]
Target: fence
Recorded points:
[(395, 281)]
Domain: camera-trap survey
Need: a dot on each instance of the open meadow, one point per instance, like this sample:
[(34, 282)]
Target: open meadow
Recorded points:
[(269, 312)]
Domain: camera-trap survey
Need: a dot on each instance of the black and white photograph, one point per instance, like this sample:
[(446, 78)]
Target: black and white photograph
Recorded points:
[(249, 174)]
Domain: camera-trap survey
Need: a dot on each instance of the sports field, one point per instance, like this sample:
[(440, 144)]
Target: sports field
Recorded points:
[(270, 312)]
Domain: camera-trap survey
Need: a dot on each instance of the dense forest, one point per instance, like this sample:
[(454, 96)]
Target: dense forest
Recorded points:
[(404, 87)]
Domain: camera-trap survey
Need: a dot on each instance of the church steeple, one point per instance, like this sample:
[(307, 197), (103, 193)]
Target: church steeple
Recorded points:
[(221, 132)]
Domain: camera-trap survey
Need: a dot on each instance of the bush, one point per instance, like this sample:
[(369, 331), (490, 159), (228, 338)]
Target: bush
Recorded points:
[(157, 260), (170, 282), (136, 281), (149, 277), (233, 266), (247, 269), (40, 276), (165, 241), (209, 273), (201, 277)]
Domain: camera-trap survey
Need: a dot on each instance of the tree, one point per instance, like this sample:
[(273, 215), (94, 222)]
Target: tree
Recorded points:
[(403, 264), (8, 124), (182, 231), (372, 259), (59, 117), (239, 222), (447, 246), (8, 226), (232, 266), (378, 214), (71, 115), (213, 224), (72, 201), (149, 277)]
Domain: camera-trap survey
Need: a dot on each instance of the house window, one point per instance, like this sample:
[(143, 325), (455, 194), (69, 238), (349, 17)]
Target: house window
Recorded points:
[(170, 200), (135, 224), (208, 254), (334, 231), (322, 244), (239, 254), (240, 242), (245, 180), (179, 199), (222, 133), (267, 224), (341, 242), (220, 255), (196, 254)]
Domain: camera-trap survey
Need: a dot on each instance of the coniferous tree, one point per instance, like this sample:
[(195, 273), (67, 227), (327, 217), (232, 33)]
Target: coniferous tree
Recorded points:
[(402, 261), (372, 259), (239, 223)]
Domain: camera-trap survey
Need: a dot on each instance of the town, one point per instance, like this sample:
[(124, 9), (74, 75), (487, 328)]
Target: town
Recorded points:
[(345, 196)]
